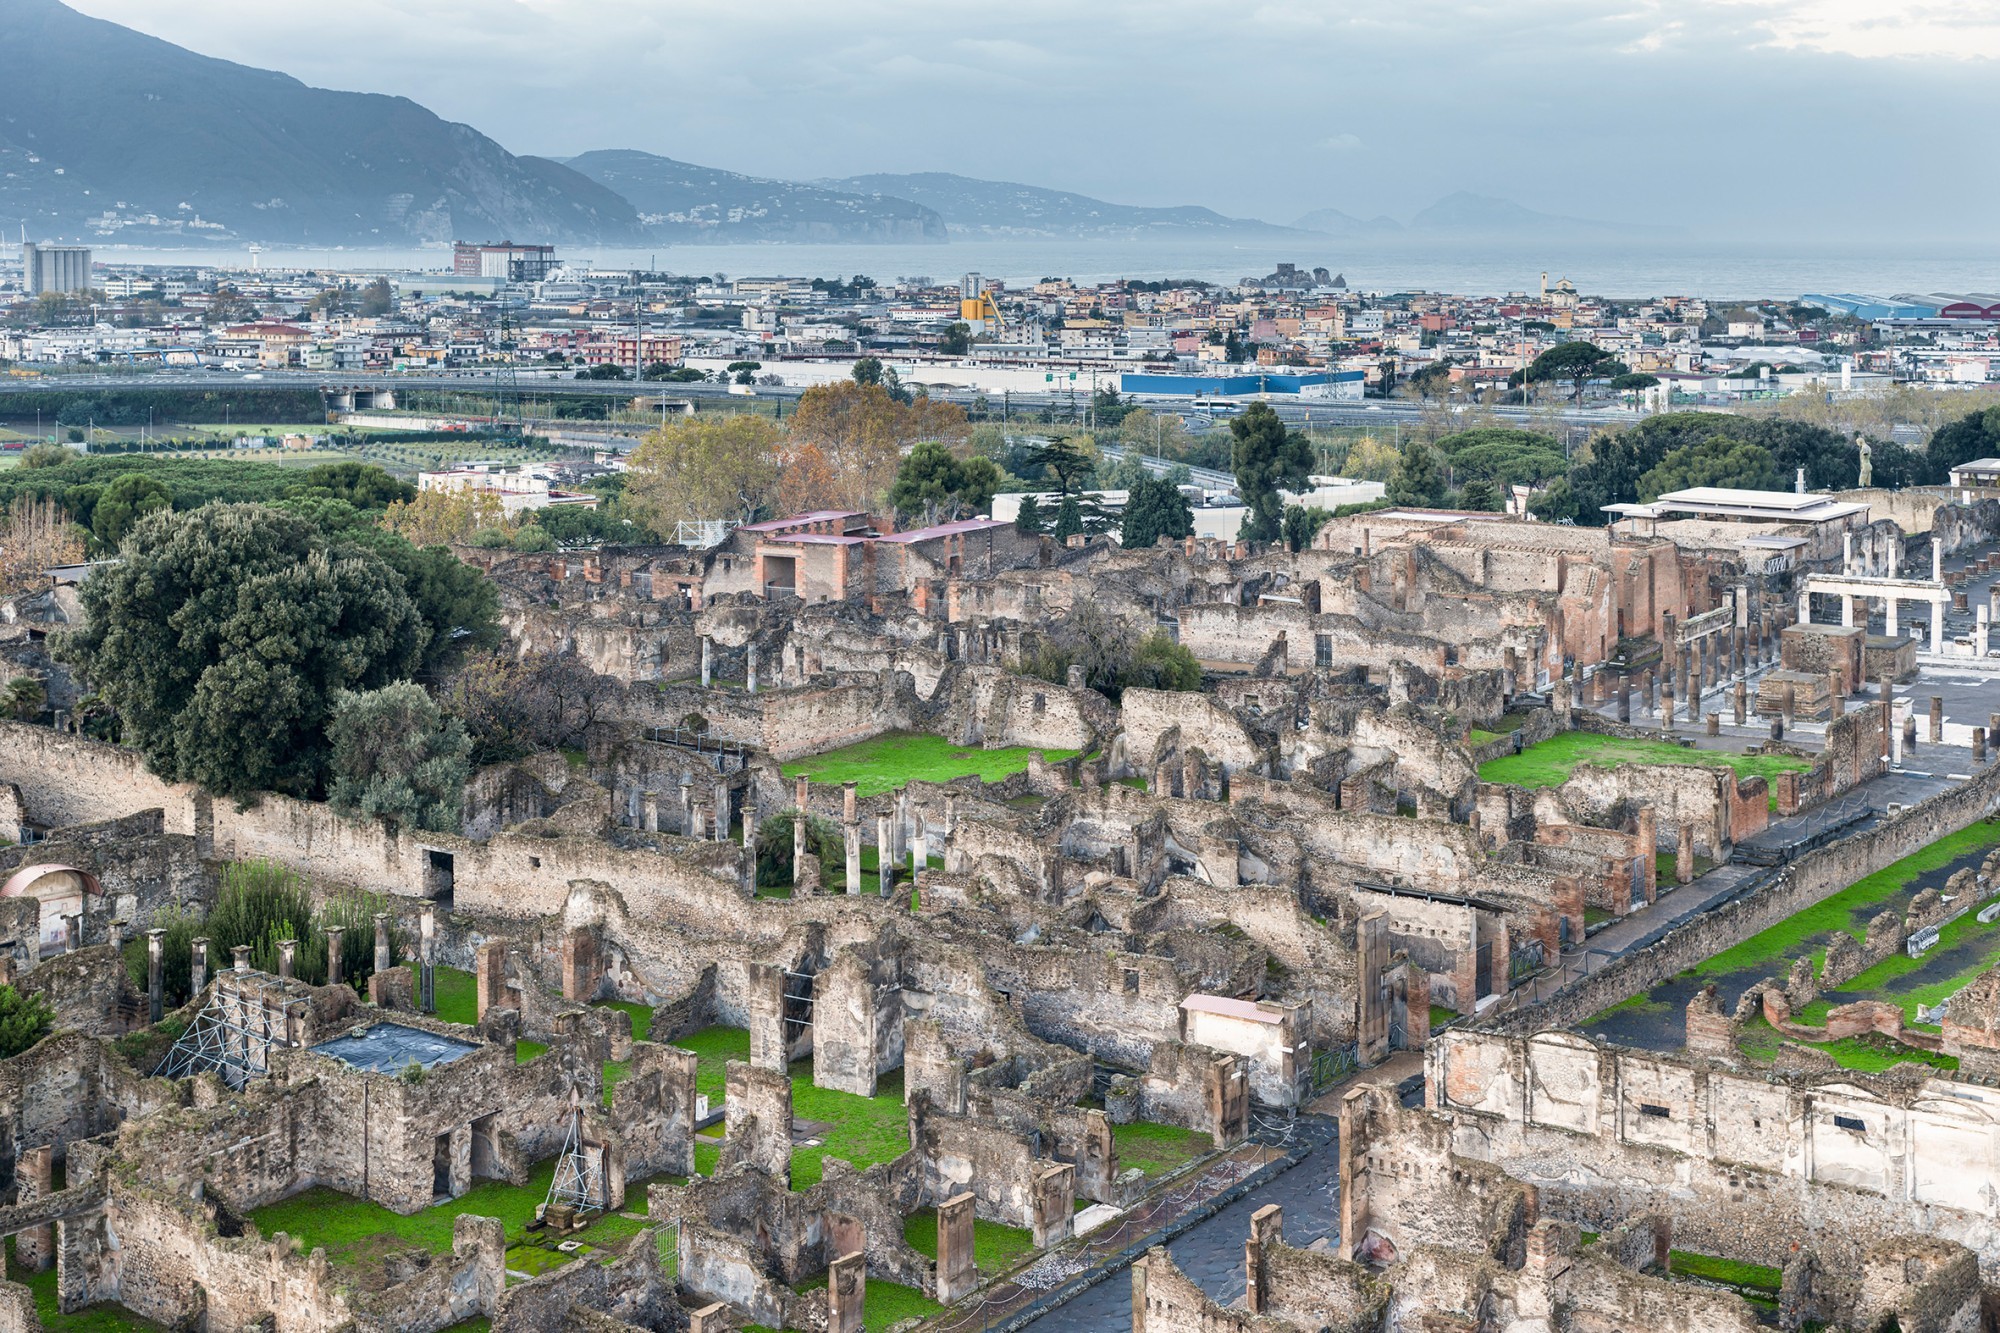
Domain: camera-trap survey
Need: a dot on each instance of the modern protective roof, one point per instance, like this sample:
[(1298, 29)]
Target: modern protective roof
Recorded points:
[(390, 1048), (1248, 1010)]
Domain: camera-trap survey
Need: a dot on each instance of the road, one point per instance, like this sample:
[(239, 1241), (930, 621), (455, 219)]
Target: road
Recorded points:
[(1300, 411)]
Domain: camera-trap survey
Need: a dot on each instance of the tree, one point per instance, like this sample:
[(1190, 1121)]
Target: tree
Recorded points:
[(932, 484), (513, 707), (1629, 382), (376, 299), (438, 518), (24, 1020), (1975, 435), (1577, 362), (396, 757), (863, 433), (124, 502), (1155, 508), (603, 371), (706, 467), (530, 537), (806, 478), (1267, 459), (223, 634), (1302, 524), (1503, 455), (1480, 497), (35, 535), (1419, 478), (1158, 663), (23, 698), (1157, 433), (867, 370), (1716, 462), (1068, 459), (363, 485), (956, 339), (1069, 520), (47, 455), (1028, 519)]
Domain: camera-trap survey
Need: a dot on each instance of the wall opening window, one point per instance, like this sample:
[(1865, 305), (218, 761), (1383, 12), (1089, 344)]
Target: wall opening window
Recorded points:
[(1657, 1112)]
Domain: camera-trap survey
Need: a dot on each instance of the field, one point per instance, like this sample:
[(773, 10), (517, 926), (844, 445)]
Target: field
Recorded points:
[(1965, 949), (1549, 763), (888, 762)]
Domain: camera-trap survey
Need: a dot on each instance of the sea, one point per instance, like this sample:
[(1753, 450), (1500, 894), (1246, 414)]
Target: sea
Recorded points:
[(1761, 270)]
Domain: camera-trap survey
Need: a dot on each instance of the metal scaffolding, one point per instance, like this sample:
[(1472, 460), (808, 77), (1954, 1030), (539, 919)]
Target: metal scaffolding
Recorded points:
[(579, 1180), (231, 1038)]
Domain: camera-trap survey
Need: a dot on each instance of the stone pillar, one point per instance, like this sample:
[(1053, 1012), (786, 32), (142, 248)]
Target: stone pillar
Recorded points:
[(846, 1294), (750, 670), (35, 1177), (198, 966), (719, 826), (849, 803), (1910, 732), (1847, 553), (72, 931), (383, 962), (1684, 855), (1054, 1204), (707, 658), (336, 943), (1790, 705), (957, 1273), (1937, 720), (1835, 700), (649, 807), (686, 791), (1267, 1226), (114, 932), (749, 822), (851, 837), (1846, 611), (1805, 607), (155, 978), (579, 965), (242, 957), (489, 977), (427, 958), (288, 952), (1937, 627), (1624, 699), (1982, 629), (1742, 702), (1937, 560), (1979, 745), (885, 854), (919, 852), (1715, 724), (1889, 615)]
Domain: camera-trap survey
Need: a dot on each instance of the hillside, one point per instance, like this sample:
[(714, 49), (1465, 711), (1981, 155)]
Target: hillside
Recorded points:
[(110, 134), (1004, 208), (678, 201), (1468, 214), (1333, 222)]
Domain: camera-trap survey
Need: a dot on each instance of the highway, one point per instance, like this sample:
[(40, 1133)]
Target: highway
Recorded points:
[(1300, 411)]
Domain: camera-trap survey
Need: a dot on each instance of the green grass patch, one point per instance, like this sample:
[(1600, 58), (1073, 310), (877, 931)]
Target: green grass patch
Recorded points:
[(714, 1048), (995, 1248), (866, 1130), (1869, 1053), (886, 1305), (1549, 763), (525, 1051), (355, 1232), (642, 1016), (1637, 1004), (888, 762), (104, 1317), (457, 994), (535, 1260), (1441, 1015), (1728, 1272), (1789, 937), (1663, 866), (1158, 1150)]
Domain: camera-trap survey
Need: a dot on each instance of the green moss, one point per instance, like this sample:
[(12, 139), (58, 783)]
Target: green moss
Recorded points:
[(457, 994), (995, 1248), (1728, 1272), (1789, 937), (888, 762), (1158, 1149), (1549, 763), (1637, 1004), (1441, 1015)]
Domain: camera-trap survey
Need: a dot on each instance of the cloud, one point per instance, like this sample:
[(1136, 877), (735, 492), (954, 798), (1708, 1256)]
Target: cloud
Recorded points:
[(1882, 29), (1341, 143)]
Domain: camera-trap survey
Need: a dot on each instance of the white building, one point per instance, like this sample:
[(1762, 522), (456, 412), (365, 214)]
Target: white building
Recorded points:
[(518, 491)]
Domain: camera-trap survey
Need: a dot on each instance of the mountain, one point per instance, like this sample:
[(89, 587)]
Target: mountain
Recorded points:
[(1333, 222), (108, 133), (1469, 214), (678, 201), (1004, 208)]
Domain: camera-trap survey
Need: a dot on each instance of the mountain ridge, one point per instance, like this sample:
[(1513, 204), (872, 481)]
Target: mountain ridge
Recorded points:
[(997, 209)]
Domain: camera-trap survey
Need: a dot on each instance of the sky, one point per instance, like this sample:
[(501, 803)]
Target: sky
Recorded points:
[(1823, 119)]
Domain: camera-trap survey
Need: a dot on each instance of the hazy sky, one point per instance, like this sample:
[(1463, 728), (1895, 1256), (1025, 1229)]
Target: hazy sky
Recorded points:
[(1826, 118)]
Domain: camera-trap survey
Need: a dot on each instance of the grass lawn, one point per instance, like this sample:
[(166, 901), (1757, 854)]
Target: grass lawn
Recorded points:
[(995, 1248), (714, 1048), (457, 995), (357, 1234), (1870, 1053), (885, 1303), (1753, 1280), (1839, 912), (104, 1317), (1549, 763), (888, 762), (1158, 1149), (1663, 864), (1441, 1015)]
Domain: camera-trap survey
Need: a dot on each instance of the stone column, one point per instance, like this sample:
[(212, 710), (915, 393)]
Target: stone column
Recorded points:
[(1805, 607), (1981, 633), (1790, 706), (336, 937), (1684, 855), (1624, 699), (851, 836), (749, 822), (885, 854), (846, 1294), (1937, 560), (198, 966), (849, 803), (957, 1274), (686, 791), (1715, 724), (1910, 732), (72, 931), (1889, 615), (1937, 627), (1979, 745), (427, 959), (288, 952), (382, 960), (719, 829), (919, 851), (649, 806), (34, 1178), (1937, 720), (1846, 611), (799, 833), (1742, 701), (489, 977), (114, 932), (750, 670), (155, 980), (242, 957), (707, 658), (1847, 553)]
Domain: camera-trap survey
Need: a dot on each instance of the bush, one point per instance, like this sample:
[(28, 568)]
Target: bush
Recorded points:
[(774, 848), (24, 1020)]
